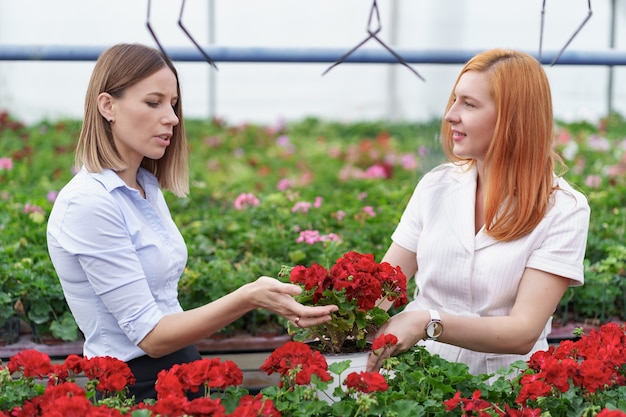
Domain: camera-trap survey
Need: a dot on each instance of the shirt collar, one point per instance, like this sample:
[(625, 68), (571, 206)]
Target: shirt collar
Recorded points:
[(110, 180)]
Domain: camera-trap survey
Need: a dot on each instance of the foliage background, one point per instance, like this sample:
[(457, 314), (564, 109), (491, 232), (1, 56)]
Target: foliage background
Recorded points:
[(346, 182)]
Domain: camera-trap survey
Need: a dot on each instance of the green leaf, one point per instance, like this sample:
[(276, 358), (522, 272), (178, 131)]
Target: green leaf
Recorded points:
[(65, 329)]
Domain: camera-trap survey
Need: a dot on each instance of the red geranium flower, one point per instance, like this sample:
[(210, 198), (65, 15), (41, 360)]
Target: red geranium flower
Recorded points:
[(112, 374), (31, 363), (357, 285), (255, 406), (366, 382), (205, 406), (383, 341), (296, 362)]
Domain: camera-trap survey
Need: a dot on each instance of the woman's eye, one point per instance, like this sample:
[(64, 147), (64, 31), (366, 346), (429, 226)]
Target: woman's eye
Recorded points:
[(152, 104)]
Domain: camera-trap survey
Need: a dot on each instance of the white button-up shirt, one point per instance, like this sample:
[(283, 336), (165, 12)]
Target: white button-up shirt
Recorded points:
[(468, 274), (119, 258)]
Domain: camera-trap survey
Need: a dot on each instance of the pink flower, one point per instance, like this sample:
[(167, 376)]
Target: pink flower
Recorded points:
[(369, 210), (308, 236), (301, 207), (6, 163), (32, 208), (408, 162), (598, 143), (52, 196), (331, 237), (563, 137), (284, 184), (423, 151), (375, 171), (283, 140), (313, 236), (246, 200), (593, 181)]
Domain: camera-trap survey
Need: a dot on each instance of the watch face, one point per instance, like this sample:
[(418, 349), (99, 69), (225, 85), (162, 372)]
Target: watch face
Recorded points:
[(434, 329)]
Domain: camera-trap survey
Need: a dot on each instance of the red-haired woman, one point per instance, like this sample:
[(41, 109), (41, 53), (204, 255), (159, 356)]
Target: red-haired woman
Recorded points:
[(494, 237)]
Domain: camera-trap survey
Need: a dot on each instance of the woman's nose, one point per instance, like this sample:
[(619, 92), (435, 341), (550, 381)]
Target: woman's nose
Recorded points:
[(451, 116), (171, 117)]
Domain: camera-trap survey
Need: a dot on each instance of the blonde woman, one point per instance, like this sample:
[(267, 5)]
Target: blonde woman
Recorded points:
[(111, 238), (493, 237)]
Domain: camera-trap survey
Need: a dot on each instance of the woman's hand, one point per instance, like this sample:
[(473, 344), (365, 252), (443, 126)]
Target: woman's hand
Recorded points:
[(276, 296), (408, 327)]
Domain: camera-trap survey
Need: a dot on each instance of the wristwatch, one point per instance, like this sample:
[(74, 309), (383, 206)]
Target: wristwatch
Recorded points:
[(434, 328)]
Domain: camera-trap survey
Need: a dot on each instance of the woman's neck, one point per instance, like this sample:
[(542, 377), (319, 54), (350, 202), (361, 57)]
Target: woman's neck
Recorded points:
[(130, 178)]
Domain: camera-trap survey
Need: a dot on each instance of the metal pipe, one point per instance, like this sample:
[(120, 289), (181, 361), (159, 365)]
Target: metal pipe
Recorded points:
[(212, 93), (301, 55), (392, 77), (609, 87)]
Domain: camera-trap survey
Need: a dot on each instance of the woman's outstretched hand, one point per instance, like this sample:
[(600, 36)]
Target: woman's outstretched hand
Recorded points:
[(278, 297), (403, 326)]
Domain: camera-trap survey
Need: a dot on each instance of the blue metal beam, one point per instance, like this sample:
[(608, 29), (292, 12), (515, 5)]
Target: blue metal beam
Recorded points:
[(301, 55)]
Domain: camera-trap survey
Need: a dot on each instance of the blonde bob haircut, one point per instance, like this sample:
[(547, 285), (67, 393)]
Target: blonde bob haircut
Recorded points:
[(118, 68), (520, 160)]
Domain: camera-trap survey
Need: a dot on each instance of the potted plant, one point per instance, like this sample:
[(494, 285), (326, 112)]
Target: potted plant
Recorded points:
[(357, 285)]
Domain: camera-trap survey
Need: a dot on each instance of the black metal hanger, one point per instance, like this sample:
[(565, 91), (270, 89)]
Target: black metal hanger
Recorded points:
[(372, 34), (543, 12), (184, 29)]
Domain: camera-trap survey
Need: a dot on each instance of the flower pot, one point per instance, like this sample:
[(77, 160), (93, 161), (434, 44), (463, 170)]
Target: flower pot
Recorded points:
[(358, 363), (10, 331)]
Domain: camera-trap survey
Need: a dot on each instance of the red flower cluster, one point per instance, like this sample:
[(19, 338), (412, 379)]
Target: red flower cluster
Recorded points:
[(592, 363), (357, 285), (366, 382), (364, 281), (296, 362), (207, 373), (31, 363), (383, 341), (110, 376), (582, 369)]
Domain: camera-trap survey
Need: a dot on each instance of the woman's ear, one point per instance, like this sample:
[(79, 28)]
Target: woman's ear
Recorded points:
[(105, 106)]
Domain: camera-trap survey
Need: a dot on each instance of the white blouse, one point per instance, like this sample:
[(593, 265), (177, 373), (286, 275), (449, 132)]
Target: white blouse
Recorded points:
[(468, 274), (119, 258)]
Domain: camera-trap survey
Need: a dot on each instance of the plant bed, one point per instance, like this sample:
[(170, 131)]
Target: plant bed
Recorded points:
[(58, 350), (571, 330), (239, 343), (582, 378)]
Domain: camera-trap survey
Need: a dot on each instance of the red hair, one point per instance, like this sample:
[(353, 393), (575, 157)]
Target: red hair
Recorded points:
[(520, 161)]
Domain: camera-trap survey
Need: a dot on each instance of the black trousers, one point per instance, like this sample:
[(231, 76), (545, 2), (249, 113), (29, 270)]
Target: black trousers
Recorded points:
[(145, 369)]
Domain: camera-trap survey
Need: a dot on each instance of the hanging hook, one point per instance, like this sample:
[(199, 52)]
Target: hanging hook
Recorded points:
[(543, 10), (183, 28), (180, 23), (372, 34), (152, 31)]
